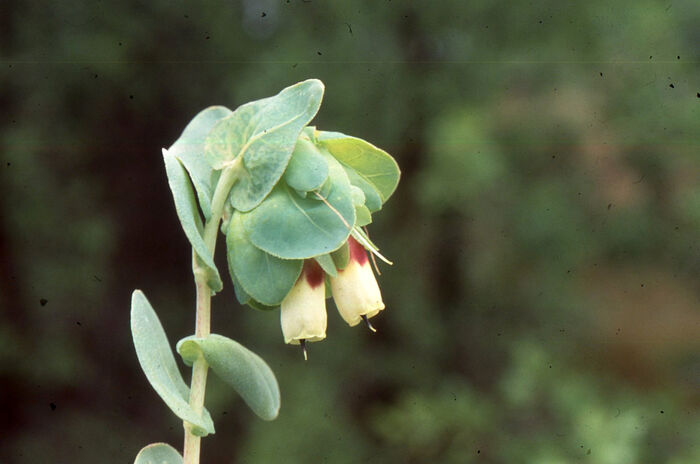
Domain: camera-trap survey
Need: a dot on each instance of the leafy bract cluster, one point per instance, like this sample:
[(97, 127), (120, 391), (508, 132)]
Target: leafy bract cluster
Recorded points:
[(299, 192)]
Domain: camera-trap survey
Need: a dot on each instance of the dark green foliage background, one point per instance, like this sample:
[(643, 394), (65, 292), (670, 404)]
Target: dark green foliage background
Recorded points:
[(544, 303)]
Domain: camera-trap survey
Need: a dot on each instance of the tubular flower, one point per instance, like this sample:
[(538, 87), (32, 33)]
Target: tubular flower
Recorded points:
[(355, 290), (303, 310)]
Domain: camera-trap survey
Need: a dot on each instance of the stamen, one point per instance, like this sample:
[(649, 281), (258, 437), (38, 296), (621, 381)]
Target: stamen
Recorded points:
[(302, 343), (358, 236), (371, 255), (369, 324)]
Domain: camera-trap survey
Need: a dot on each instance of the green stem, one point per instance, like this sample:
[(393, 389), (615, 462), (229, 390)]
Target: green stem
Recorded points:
[(203, 317)]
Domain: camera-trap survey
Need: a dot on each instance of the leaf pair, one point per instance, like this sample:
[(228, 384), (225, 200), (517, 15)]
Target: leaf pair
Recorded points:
[(262, 134), (242, 369)]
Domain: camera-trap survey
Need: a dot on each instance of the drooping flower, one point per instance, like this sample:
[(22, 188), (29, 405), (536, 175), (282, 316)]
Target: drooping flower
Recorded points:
[(355, 289), (303, 311)]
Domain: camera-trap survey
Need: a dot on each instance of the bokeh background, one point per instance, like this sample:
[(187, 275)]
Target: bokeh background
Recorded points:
[(544, 304)]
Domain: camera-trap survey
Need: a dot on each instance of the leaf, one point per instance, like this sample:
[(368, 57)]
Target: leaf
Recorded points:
[(372, 164), (245, 299), (241, 295), (358, 196), (187, 212), (189, 149), (341, 256), (307, 169), (329, 289), (327, 264), (239, 367), (261, 307), (372, 199), (290, 227), (363, 216), (262, 276), (310, 132), (158, 363), (263, 133), (158, 453)]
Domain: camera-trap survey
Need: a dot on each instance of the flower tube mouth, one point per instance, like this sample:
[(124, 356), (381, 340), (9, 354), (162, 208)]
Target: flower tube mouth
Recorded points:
[(355, 289)]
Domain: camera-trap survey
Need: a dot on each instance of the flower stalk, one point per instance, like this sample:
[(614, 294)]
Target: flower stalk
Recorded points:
[(200, 368)]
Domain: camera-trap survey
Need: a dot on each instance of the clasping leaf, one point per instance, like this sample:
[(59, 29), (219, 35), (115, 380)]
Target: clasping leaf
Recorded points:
[(189, 149), (263, 133), (264, 277), (239, 367), (290, 227), (158, 363), (370, 168), (187, 212)]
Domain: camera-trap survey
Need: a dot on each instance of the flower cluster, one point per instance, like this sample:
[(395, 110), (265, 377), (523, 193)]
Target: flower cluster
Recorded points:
[(354, 289)]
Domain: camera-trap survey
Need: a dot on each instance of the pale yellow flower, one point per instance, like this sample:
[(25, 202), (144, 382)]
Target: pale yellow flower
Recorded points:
[(355, 289), (303, 310)]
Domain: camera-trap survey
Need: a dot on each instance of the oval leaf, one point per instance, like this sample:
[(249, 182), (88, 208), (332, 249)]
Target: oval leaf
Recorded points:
[(262, 276), (372, 164), (307, 169), (189, 149), (363, 215), (186, 207), (372, 199), (264, 133), (245, 299), (158, 363), (358, 196), (291, 227), (327, 264), (239, 367), (158, 453), (341, 256)]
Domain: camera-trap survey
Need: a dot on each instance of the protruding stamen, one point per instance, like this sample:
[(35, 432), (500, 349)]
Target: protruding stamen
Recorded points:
[(369, 324), (302, 343), (371, 255), (358, 236)]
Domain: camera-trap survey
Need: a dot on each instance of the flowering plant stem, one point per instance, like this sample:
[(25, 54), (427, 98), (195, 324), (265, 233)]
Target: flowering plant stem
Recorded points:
[(203, 312)]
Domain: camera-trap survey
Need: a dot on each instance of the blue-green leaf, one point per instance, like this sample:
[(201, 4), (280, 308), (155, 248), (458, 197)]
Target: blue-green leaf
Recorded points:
[(189, 149), (158, 363), (158, 453), (363, 215), (263, 133), (290, 227), (245, 299), (372, 199), (239, 367), (262, 276), (373, 165), (358, 196), (186, 207), (341, 256), (241, 295), (261, 307), (327, 264), (307, 169)]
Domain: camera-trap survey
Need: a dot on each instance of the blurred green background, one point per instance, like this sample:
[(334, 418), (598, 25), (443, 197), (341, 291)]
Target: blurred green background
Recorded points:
[(544, 304)]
